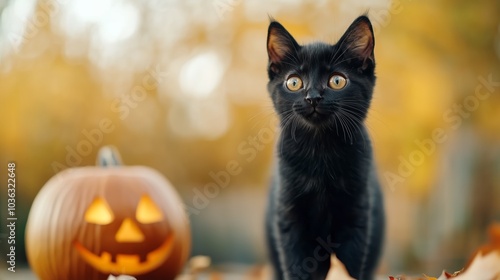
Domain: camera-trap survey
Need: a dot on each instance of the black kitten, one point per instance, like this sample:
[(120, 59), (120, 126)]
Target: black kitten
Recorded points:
[(325, 198)]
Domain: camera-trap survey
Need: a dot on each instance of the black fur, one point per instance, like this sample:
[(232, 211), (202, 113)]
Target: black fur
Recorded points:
[(325, 197)]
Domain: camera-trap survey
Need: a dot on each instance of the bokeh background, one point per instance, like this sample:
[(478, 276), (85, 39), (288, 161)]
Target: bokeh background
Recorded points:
[(184, 86)]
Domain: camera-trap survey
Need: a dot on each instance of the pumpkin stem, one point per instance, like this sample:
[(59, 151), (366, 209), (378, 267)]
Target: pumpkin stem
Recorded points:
[(108, 156)]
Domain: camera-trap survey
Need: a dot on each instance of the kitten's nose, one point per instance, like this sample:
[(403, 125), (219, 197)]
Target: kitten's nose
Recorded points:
[(313, 99)]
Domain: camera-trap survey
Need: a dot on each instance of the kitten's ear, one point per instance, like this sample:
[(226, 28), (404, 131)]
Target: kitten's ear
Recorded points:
[(279, 44), (359, 40)]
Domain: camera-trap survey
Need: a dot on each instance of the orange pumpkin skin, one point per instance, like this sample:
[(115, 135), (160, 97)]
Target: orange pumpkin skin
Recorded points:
[(64, 241)]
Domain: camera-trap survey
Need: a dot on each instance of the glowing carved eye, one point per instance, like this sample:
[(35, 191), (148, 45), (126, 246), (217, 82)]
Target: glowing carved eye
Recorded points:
[(147, 212), (293, 83), (99, 212), (337, 82)]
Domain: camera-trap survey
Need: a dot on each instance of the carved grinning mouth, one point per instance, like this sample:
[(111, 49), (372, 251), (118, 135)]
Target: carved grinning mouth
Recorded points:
[(126, 263)]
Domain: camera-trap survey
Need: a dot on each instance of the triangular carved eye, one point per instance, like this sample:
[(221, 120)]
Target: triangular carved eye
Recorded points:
[(99, 212), (147, 211)]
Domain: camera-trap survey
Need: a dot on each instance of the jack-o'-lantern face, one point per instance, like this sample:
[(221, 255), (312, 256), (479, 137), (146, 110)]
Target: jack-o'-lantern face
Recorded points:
[(89, 222), (129, 240)]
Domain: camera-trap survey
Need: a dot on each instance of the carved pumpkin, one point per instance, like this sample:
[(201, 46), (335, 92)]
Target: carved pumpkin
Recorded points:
[(90, 222)]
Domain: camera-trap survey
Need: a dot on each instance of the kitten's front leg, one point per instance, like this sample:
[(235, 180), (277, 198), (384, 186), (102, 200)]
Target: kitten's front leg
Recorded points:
[(301, 256), (360, 252)]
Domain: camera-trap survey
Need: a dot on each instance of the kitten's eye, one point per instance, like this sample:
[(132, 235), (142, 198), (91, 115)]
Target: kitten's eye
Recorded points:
[(337, 82), (293, 83)]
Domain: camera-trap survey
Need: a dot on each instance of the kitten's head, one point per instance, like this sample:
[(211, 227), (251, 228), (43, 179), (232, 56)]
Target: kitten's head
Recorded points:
[(321, 85)]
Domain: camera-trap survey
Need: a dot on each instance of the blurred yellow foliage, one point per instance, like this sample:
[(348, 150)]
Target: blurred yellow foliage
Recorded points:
[(182, 87)]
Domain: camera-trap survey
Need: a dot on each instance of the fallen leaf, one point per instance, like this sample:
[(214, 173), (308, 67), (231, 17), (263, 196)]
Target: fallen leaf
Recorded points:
[(494, 243), (121, 277), (483, 267), (199, 263), (444, 275), (337, 270)]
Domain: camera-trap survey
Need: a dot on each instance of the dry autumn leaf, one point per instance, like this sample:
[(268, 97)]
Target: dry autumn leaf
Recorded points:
[(195, 266), (337, 270), (121, 277), (494, 242), (485, 267), (486, 262)]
